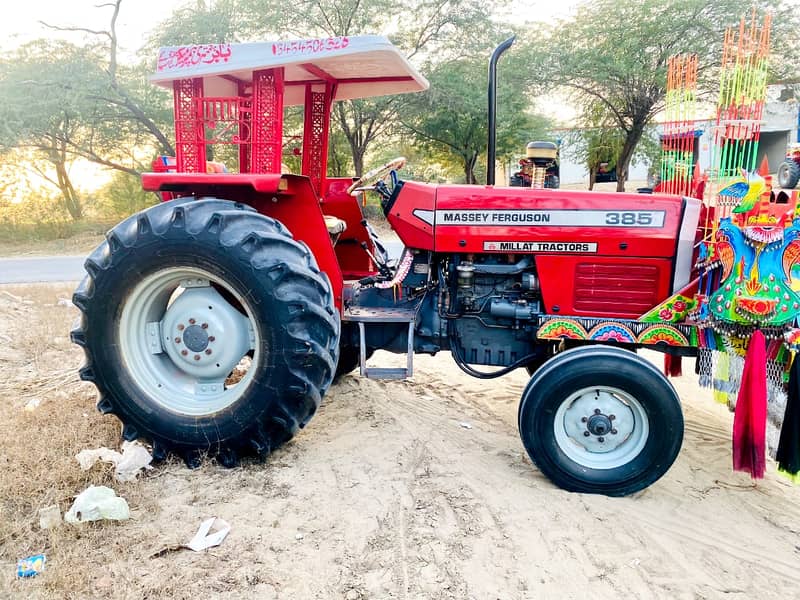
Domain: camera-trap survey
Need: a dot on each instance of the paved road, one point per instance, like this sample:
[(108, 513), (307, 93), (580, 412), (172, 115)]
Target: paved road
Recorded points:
[(35, 269)]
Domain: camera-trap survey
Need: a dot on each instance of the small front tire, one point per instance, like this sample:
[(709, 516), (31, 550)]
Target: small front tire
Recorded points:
[(601, 420)]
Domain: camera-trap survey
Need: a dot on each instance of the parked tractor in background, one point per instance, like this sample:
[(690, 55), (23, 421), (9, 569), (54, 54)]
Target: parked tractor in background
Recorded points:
[(539, 168), (216, 321), (789, 169)]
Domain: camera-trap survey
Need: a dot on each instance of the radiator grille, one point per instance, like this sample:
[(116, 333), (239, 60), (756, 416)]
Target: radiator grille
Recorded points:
[(623, 289)]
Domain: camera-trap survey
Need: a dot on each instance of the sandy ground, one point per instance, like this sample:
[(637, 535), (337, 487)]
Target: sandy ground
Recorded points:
[(386, 494)]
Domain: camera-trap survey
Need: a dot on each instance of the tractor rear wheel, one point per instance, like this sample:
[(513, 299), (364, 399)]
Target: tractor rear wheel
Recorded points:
[(206, 328), (788, 174), (601, 420)]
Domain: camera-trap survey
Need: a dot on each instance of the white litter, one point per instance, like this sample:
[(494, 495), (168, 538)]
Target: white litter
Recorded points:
[(133, 459), (64, 302), (33, 404), (205, 539), (96, 503), (466, 425), (49, 516)]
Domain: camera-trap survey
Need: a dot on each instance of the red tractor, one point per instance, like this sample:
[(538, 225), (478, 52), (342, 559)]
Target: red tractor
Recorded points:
[(216, 321)]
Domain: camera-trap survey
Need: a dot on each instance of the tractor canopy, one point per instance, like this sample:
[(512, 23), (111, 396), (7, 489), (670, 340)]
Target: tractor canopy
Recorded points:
[(235, 94), (358, 67)]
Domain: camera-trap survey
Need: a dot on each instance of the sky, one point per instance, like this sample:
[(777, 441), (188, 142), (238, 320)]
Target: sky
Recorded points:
[(137, 17)]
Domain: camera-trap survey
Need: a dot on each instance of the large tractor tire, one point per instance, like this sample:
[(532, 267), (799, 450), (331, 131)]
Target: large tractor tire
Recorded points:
[(788, 174), (601, 420), (206, 328)]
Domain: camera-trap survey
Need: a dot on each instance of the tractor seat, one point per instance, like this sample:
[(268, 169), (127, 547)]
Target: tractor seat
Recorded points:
[(335, 227)]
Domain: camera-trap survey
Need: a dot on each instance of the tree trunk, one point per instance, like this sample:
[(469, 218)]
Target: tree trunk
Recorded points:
[(358, 160), (592, 177), (632, 138), (71, 200), (469, 169)]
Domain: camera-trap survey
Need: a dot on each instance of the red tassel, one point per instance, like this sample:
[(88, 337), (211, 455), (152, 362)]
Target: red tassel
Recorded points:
[(672, 366), (750, 418)]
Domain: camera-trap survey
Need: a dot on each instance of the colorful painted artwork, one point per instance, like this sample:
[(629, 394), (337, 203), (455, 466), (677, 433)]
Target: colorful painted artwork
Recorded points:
[(754, 265), (618, 331)]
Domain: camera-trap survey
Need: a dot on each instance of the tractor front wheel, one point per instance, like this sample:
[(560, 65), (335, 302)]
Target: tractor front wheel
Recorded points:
[(788, 174), (206, 328), (601, 420)]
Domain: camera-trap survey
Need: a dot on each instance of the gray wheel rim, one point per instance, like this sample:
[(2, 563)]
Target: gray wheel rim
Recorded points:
[(601, 427), (179, 340)]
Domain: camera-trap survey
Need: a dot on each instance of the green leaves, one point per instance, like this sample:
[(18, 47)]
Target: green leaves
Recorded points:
[(450, 119)]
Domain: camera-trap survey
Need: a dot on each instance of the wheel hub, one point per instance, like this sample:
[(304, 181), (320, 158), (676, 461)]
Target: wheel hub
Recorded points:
[(180, 339), (204, 335), (601, 427), (196, 338), (599, 424)]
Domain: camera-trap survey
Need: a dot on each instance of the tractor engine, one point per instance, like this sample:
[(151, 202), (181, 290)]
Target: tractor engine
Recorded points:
[(495, 303)]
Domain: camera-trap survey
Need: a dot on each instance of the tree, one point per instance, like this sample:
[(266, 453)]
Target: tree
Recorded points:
[(44, 127), (86, 106), (450, 119), (615, 54)]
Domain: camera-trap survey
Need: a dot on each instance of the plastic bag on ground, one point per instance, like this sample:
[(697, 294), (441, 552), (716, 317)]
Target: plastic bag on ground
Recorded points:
[(96, 503), (133, 459)]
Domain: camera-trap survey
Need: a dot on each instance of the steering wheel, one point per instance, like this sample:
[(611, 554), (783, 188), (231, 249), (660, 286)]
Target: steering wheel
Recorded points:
[(375, 177)]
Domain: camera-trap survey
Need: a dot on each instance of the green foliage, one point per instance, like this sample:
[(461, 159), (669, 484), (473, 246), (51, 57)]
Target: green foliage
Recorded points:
[(122, 197), (450, 119), (223, 21)]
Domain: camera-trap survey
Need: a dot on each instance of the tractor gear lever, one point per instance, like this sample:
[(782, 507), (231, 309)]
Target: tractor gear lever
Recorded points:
[(382, 266)]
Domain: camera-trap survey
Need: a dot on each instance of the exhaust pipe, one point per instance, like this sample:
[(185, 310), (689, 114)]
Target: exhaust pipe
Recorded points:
[(492, 148)]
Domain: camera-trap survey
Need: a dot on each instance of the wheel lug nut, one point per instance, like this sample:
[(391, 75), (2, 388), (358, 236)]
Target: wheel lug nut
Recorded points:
[(586, 434), (597, 411), (184, 352), (177, 340), (601, 439), (181, 327), (211, 338), (192, 321), (208, 350), (197, 357), (613, 432), (584, 419), (204, 325)]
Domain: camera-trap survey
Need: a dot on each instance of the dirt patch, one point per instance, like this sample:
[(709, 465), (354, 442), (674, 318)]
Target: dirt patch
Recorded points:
[(386, 494)]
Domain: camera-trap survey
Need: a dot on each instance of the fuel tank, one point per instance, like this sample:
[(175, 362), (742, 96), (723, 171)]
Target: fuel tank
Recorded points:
[(596, 253)]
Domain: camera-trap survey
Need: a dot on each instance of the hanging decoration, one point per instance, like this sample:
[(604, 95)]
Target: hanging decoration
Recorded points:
[(679, 140)]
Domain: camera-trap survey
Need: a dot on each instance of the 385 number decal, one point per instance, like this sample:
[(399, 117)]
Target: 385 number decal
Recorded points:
[(640, 218)]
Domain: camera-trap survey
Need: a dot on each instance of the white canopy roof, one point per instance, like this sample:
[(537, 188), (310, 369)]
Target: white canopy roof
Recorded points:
[(361, 66)]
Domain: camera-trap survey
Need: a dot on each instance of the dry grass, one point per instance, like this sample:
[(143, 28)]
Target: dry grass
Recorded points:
[(37, 446), (80, 243)]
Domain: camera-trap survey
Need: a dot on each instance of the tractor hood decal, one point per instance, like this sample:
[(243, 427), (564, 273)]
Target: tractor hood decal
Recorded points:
[(424, 215), (546, 217), (538, 246)]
